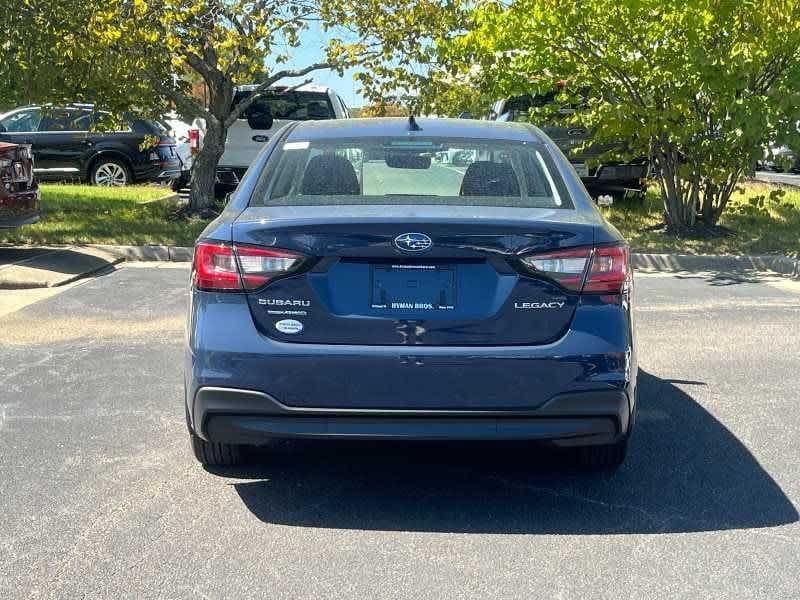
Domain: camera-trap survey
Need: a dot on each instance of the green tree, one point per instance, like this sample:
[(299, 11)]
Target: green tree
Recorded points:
[(410, 34), (46, 56), (389, 108), (228, 42), (173, 44), (149, 54), (700, 87)]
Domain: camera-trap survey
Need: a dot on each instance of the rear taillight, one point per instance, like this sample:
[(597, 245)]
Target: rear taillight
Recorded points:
[(194, 141), (602, 270), (567, 267), (223, 268), (610, 270), (215, 268), (259, 265)]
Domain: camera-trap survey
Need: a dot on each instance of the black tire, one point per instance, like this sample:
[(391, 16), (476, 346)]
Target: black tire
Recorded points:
[(607, 458), (215, 454), (110, 172)]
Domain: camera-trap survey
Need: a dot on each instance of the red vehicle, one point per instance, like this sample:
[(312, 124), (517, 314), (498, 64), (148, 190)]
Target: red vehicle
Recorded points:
[(19, 192)]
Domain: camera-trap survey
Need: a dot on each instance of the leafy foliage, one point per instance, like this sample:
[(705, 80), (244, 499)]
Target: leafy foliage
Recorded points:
[(223, 43), (405, 37), (700, 87), (47, 54), (385, 109), (152, 53)]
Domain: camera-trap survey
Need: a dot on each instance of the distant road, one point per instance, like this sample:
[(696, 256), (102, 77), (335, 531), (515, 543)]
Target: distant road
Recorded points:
[(784, 178)]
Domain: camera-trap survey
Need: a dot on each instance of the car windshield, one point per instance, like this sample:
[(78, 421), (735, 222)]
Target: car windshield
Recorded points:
[(449, 171)]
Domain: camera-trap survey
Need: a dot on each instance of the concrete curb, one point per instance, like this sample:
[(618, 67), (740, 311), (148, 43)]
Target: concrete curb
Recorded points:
[(723, 263), (149, 253)]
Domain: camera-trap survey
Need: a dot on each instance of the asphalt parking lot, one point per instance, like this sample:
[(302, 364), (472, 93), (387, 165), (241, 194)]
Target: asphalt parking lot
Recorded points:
[(100, 498)]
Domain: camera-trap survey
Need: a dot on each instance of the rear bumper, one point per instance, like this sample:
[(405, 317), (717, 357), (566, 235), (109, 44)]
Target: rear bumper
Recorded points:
[(595, 186), (168, 175), (617, 178), (157, 171), (248, 417), (244, 387)]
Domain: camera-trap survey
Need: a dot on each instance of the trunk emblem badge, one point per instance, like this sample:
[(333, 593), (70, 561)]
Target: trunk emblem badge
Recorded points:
[(413, 242)]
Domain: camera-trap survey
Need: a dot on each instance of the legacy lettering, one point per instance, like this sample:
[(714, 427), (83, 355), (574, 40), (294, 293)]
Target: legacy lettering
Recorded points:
[(538, 304)]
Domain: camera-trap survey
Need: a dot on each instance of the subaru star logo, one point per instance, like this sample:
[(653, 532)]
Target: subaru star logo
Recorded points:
[(413, 242)]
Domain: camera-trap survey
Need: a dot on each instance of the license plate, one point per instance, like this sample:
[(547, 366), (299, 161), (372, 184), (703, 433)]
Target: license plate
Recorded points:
[(413, 287), (582, 169)]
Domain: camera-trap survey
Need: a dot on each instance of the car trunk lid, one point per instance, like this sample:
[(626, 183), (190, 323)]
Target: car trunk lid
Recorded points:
[(360, 283)]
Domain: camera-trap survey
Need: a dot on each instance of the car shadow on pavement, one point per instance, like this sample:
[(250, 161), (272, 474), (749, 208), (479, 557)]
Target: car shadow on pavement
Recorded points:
[(722, 278), (685, 472), (32, 267)]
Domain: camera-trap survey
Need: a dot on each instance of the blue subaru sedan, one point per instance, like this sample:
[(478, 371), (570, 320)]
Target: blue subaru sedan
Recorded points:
[(419, 279)]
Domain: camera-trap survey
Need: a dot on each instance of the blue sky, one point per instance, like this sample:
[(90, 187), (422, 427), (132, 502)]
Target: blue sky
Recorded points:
[(311, 50)]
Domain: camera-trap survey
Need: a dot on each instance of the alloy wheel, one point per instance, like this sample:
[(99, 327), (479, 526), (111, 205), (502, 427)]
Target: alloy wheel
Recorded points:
[(110, 175)]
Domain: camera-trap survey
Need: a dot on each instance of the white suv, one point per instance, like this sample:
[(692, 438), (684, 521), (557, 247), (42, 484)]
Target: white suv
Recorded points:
[(306, 103)]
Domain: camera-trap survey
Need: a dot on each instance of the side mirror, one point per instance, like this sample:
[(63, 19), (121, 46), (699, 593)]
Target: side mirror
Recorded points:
[(2, 128), (260, 120)]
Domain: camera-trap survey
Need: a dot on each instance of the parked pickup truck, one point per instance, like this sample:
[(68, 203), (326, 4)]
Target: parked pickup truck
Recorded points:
[(599, 177), (277, 106), (19, 192)]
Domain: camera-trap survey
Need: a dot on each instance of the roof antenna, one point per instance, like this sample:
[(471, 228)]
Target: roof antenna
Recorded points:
[(412, 124)]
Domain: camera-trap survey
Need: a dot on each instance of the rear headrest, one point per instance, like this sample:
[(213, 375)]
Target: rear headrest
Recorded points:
[(330, 175), (485, 178)]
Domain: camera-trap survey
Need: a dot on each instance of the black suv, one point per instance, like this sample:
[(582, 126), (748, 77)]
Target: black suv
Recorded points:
[(77, 142)]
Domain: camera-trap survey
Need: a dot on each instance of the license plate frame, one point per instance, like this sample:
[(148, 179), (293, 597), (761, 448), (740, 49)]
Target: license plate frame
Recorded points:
[(401, 287)]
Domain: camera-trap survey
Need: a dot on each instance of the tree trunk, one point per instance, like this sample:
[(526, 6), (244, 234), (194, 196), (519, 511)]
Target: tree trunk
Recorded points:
[(204, 170), (709, 201), (666, 170), (717, 196)]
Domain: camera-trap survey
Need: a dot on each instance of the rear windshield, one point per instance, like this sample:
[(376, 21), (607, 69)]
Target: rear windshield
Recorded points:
[(436, 171), (291, 106)]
